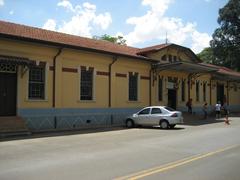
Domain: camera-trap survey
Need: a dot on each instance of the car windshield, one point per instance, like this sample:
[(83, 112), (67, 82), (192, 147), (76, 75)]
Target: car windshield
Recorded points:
[(169, 109)]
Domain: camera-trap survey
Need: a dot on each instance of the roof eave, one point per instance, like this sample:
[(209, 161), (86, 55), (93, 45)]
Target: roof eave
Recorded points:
[(62, 45), (167, 46), (172, 65)]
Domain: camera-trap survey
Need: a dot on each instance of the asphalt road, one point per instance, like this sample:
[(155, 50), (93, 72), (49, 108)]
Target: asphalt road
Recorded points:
[(199, 151)]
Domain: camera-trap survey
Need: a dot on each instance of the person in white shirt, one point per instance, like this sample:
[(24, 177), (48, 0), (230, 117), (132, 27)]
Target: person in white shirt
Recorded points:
[(218, 110)]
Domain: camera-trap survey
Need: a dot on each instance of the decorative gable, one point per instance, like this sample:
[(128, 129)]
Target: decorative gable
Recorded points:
[(170, 53)]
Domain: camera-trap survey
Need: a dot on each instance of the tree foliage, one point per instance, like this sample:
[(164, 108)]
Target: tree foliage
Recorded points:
[(226, 38), (207, 55), (116, 40)]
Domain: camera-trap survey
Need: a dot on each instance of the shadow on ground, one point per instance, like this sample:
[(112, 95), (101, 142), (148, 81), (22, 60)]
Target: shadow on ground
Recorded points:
[(62, 133), (197, 120), (159, 128)]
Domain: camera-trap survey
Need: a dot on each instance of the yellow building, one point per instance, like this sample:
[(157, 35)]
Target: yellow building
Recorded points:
[(60, 81)]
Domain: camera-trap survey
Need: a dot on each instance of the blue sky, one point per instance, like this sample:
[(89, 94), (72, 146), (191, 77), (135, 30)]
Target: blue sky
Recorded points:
[(142, 22)]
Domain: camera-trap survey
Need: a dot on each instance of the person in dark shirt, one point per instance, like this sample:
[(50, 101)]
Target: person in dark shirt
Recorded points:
[(189, 106), (226, 113)]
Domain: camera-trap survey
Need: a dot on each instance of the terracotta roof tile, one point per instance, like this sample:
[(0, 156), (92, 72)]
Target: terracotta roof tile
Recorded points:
[(33, 33), (223, 70), (152, 48)]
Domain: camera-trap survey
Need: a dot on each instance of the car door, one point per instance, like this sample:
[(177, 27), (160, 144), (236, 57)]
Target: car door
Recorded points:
[(143, 116), (155, 116)]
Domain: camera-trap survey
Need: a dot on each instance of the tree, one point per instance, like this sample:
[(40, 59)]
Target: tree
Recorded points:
[(116, 40), (226, 38), (207, 55)]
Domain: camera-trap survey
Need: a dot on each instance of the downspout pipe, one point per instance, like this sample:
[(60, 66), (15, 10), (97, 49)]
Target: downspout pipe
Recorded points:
[(210, 91), (189, 86), (114, 59), (54, 77), (150, 86)]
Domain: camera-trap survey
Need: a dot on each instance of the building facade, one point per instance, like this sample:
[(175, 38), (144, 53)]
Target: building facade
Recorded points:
[(60, 81)]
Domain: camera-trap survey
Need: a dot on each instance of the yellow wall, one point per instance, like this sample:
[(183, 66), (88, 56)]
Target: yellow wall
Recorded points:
[(120, 84), (31, 51), (68, 83), (234, 97)]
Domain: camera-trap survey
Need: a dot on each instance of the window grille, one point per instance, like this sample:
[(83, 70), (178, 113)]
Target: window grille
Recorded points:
[(133, 87), (204, 92), (9, 68), (86, 84), (160, 89), (197, 91)]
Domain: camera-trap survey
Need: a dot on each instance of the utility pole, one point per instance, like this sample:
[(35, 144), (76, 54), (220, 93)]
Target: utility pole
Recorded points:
[(166, 38)]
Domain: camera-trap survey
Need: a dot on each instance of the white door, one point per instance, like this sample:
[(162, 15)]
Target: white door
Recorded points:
[(155, 116), (143, 116)]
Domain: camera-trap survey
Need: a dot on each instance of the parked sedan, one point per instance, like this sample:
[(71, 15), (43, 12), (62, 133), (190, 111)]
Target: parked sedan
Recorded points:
[(164, 116)]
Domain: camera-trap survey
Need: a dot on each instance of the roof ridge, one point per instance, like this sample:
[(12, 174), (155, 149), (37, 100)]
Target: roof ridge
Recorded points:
[(67, 34)]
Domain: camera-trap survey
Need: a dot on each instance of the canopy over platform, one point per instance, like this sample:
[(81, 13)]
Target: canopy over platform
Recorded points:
[(224, 74), (16, 60), (184, 67)]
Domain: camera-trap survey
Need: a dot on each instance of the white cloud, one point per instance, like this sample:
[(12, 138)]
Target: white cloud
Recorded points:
[(89, 7), (1, 2), (157, 6), (154, 25), (103, 20), (66, 4), (50, 25), (84, 19), (199, 41)]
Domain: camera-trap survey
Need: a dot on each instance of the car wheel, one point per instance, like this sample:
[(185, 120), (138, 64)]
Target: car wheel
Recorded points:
[(172, 126), (129, 123), (164, 124)]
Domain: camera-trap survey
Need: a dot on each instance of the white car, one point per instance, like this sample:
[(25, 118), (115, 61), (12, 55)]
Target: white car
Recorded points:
[(164, 116)]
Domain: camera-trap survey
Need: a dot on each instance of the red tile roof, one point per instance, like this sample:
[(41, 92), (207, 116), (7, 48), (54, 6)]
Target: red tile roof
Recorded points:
[(33, 33), (152, 48), (17, 31), (223, 70), (156, 48)]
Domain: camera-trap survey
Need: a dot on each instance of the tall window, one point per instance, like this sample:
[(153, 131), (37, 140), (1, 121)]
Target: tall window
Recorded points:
[(204, 92), (170, 58), (197, 91), (160, 89), (174, 58), (86, 84), (36, 86), (183, 90), (164, 57), (133, 87)]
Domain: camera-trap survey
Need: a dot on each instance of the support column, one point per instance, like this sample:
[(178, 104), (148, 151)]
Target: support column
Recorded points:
[(58, 83)]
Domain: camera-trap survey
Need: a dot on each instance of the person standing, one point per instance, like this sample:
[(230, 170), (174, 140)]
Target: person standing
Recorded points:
[(226, 113), (189, 105), (205, 111), (218, 109)]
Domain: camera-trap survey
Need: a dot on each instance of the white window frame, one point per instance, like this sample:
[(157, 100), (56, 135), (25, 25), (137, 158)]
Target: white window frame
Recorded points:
[(46, 69)]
